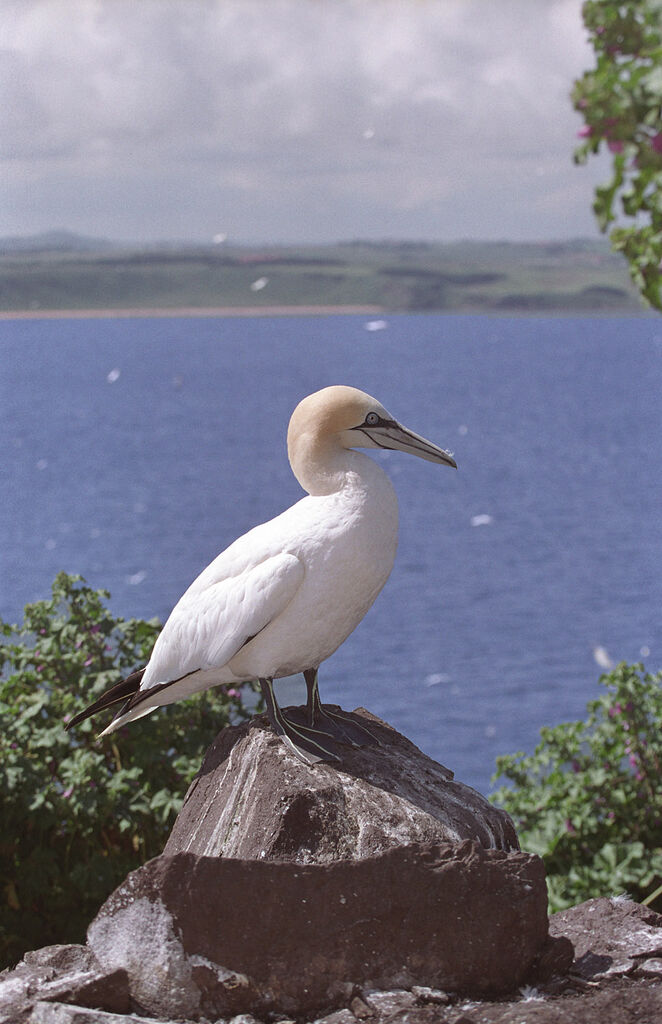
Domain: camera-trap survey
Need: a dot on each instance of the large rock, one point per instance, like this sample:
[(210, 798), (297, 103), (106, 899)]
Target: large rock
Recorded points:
[(253, 800), (605, 928), (289, 889), (282, 885), (218, 937)]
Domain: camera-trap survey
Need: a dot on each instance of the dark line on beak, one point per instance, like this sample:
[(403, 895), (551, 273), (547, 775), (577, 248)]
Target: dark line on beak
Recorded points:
[(374, 440)]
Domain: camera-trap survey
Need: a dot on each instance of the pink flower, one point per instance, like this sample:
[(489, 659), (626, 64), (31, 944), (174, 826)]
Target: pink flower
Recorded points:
[(68, 793), (88, 662), (233, 693), (656, 143), (569, 827), (615, 146), (585, 132)]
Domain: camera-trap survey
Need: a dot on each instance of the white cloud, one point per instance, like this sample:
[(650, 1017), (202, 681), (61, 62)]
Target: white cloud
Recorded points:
[(292, 118)]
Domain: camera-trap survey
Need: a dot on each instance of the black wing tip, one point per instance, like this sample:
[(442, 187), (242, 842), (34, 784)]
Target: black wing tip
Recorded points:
[(127, 688), (77, 719)]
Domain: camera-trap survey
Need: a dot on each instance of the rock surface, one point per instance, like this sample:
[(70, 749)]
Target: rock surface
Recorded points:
[(612, 937), (576, 996), (237, 936), (378, 891), (286, 889), (61, 974), (253, 800)]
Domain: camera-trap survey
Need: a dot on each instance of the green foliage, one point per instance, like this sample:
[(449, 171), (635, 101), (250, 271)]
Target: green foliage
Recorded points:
[(77, 813), (621, 102), (589, 799)]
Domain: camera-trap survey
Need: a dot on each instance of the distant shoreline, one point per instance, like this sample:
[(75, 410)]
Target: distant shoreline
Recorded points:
[(187, 311)]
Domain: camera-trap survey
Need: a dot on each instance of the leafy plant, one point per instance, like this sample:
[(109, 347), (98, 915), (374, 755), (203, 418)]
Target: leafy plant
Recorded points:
[(621, 102), (588, 800), (77, 813)]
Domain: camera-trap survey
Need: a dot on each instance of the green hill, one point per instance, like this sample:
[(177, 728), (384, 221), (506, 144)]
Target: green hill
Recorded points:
[(58, 272)]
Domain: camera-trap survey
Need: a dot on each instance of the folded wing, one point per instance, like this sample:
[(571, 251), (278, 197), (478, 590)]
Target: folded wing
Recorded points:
[(208, 627)]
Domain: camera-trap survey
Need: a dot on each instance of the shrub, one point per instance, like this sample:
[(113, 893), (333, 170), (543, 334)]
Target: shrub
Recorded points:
[(588, 800), (621, 102), (77, 813)]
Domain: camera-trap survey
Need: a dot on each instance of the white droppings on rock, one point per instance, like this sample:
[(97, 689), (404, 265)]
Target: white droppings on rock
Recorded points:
[(651, 967), (530, 994), (229, 979)]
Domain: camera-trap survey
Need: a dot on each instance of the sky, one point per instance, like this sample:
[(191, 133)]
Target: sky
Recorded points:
[(267, 121)]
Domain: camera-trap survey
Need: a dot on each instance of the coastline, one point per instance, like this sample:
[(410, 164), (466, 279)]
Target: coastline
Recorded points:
[(186, 311)]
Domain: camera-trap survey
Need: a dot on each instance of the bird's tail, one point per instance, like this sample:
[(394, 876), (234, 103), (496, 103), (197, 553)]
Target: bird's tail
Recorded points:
[(123, 691)]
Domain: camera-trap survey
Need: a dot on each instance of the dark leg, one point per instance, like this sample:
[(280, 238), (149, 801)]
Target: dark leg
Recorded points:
[(340, 726), (313, 704), (309, 745)]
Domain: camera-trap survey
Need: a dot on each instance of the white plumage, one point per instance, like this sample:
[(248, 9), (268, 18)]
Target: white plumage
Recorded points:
[(282, 598)]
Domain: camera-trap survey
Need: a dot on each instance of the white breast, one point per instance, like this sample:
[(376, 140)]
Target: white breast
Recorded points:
[(347, 543)]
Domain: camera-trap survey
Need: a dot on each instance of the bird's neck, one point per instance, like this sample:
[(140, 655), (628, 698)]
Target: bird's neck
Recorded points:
[(323, 467)]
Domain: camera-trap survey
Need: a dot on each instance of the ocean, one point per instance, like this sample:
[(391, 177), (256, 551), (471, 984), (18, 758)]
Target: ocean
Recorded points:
[(137, 449)]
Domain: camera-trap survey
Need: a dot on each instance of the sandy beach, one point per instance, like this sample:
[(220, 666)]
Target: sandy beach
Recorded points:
[(187, 311)]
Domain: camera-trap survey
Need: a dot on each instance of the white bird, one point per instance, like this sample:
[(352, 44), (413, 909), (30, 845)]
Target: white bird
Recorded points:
[(282, 598)]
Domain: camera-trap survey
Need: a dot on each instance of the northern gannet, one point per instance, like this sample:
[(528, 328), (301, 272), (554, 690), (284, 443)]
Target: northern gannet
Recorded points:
[(282, 598)]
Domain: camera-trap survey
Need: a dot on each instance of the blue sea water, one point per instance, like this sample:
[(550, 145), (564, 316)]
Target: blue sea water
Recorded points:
[(136, 449)]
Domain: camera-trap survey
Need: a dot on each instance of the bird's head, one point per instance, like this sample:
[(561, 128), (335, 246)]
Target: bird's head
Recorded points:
[(343, 417)]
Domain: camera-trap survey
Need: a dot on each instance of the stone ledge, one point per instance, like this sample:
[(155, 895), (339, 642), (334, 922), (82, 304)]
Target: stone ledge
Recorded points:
[(606, 928), (235, 936)]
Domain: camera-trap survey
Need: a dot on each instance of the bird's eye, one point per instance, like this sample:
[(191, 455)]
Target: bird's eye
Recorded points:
[(372, 419)]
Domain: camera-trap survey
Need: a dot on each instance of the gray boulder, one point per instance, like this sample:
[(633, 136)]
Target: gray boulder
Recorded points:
[(298, 890), (252, 799), (216, 937), (283, 886), (586, 990)]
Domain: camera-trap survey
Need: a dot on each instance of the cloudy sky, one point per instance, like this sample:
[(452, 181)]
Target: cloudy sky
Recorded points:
[(293, 120)]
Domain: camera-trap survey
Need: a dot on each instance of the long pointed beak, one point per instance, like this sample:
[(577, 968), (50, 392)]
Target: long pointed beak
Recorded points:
[(394, 436)]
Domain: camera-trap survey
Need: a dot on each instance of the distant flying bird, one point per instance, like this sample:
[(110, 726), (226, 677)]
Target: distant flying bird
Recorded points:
[(602, 658), (285, 596)]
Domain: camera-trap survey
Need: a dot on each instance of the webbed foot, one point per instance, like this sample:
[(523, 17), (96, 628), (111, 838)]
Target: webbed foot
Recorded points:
[(310, 745), (338, 724)]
